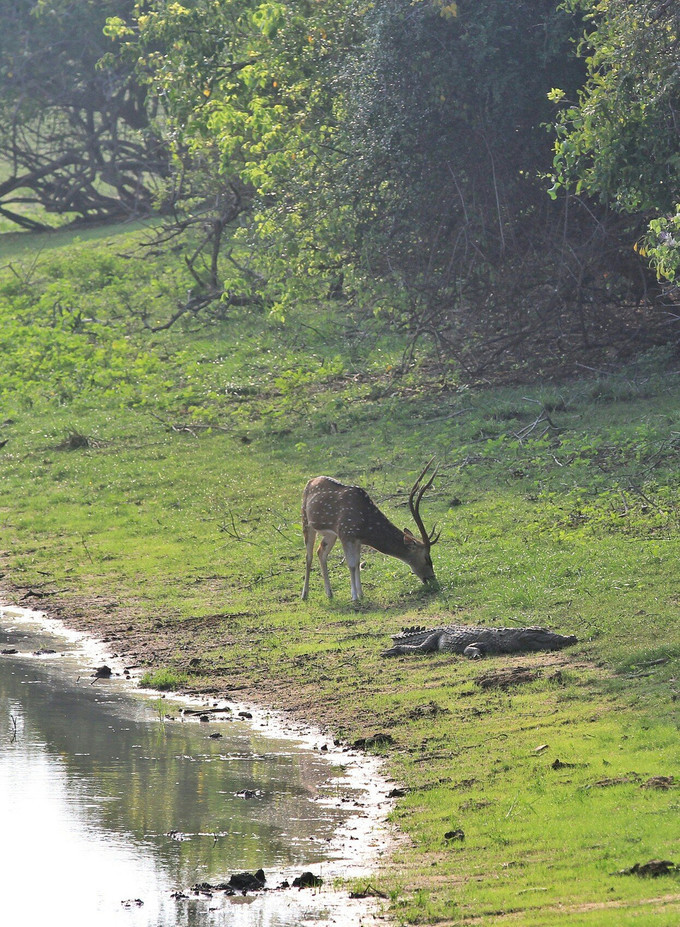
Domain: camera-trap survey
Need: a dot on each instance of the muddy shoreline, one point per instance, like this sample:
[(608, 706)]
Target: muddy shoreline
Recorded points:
[(360, 847), (148, 642)]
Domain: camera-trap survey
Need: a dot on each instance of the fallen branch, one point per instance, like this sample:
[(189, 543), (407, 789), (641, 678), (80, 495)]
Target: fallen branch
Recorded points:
[(191, 428)]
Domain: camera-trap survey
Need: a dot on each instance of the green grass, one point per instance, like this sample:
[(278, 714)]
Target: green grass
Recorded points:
[(165, 680), (177, 523)]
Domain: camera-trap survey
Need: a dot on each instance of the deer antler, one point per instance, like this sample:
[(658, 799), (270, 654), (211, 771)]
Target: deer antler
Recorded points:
[(417, 494)]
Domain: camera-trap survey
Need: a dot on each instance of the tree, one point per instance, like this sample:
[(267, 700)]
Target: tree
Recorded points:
[(619, 139), (248, 94), (442, 129), (76, 135)]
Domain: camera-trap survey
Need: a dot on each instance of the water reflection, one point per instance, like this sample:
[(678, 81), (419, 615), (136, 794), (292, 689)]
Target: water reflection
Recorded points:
[(105, 804)]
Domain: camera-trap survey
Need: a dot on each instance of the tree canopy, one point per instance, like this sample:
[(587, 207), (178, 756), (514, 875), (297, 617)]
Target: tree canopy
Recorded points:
[(397, 154)]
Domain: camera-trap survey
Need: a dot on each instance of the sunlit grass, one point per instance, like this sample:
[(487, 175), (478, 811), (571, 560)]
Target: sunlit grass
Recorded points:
[(183, 511)]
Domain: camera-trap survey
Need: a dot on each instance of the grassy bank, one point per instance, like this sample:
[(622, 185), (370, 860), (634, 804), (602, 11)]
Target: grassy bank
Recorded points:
[(150, 491)]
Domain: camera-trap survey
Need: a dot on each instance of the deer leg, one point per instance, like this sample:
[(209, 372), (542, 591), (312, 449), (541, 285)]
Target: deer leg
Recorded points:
[(310, 536), (328, 539), (352, 551)]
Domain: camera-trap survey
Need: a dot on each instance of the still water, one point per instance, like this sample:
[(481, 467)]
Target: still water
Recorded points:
[(111, 813)]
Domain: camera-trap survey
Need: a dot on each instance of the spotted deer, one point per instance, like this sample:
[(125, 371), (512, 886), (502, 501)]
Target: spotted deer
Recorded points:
[(347, 512)]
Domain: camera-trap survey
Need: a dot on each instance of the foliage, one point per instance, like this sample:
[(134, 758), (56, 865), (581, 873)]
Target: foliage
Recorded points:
[(247, 93), (619, 139), (387, 154), (64, 329), (663, 245), (390, 150), (445, 111), (75, 137), (392, 155)]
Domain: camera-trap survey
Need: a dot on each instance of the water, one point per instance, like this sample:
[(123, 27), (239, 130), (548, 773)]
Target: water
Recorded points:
[(106, 803)]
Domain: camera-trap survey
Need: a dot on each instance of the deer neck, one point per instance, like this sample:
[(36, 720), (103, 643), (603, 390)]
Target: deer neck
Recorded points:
[(387, 539)]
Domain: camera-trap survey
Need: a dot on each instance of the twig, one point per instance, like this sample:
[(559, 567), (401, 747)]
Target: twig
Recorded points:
[(232, 531), (89, 555), (285, 536), (171, 427), (524, 433), (645, 497), (369, 891), (190, 429), (263, 576), (448, 415)]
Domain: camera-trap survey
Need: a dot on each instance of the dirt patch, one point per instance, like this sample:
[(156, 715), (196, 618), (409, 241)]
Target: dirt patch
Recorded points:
[(659, 782), (431, 710), (663, 902), (653, 869), (608, 782), (503, 679), (136, 639)]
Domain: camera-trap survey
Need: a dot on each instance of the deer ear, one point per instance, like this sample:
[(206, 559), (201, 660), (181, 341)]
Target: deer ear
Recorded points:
[(409, 540)]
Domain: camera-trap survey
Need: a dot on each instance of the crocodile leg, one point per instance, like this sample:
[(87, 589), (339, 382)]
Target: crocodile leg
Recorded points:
[(431, 644)]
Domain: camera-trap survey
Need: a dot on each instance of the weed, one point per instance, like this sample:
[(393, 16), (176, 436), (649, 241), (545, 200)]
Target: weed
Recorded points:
[(164, 680)]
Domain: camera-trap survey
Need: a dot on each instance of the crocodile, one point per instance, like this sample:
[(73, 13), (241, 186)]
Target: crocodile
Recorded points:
[(476, 642)]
